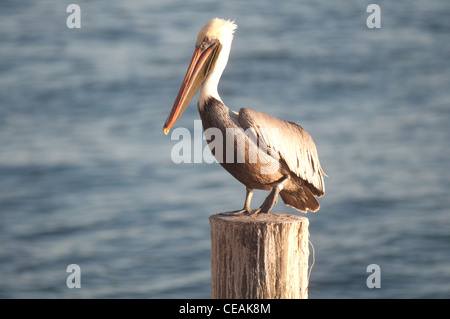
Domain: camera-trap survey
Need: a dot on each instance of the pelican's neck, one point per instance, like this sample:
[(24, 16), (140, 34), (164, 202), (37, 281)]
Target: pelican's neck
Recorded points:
[(209, 87)]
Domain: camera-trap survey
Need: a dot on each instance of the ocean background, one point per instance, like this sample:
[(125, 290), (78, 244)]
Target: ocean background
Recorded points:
[(86, 175)]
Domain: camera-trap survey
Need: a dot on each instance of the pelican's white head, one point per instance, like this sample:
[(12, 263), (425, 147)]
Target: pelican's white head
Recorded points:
[(207, 64), (217, 29)]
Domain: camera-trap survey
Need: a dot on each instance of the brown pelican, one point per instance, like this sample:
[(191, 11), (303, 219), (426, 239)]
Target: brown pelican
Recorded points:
[(298, 176)]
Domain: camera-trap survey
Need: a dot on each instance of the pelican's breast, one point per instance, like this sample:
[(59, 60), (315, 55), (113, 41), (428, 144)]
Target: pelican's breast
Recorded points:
[(236, 149)]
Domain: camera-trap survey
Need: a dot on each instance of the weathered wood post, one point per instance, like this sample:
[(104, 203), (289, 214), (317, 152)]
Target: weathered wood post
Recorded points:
[(259, 257)]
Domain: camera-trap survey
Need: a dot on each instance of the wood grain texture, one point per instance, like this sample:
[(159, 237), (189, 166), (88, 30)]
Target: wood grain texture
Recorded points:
[(259, 257)]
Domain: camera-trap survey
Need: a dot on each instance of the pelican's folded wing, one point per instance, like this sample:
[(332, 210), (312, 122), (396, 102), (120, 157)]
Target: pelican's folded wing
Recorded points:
[(291, 142)]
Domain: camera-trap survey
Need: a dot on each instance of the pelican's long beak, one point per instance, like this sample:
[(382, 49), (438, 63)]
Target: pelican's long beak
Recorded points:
[(201, 64)]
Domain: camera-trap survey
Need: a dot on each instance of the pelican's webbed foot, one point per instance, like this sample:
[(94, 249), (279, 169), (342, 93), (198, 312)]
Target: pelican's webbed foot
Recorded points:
[(238, 212), (246, 210)]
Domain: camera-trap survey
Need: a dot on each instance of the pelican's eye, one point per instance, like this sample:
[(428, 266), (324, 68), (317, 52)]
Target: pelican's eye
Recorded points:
[(206, 43)]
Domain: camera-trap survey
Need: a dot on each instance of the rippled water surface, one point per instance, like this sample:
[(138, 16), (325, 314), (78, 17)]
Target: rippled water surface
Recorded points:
[(86, 175)]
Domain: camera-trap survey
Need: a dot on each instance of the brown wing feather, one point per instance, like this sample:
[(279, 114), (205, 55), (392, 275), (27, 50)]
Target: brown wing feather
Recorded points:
[(293, 144)]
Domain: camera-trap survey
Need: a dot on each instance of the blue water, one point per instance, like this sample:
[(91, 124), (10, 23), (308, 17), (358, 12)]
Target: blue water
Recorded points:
[(86, 175)]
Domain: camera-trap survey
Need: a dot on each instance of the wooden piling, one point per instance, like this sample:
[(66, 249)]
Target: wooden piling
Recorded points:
[(259, 257)]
